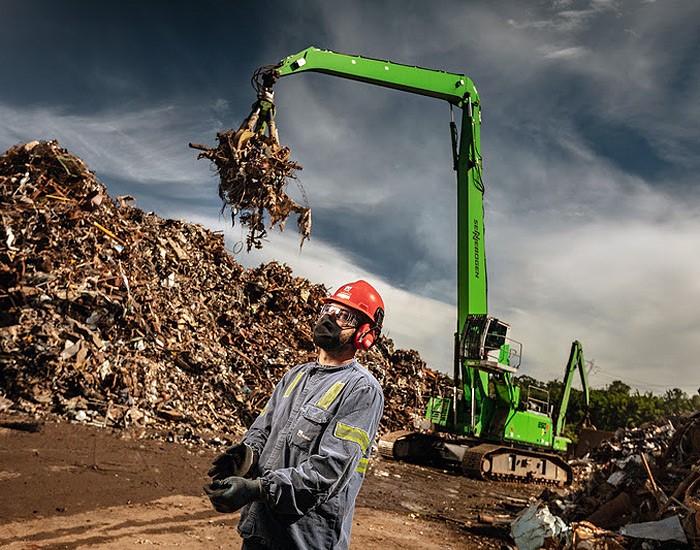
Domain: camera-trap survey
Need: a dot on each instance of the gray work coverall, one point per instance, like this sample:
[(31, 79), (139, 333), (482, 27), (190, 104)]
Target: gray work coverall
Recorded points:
[(313, 439)]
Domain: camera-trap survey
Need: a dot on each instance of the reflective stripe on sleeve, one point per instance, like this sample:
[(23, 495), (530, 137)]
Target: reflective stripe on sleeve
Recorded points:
[(350, 433), (362, 466), (293, 384), (330, 395)]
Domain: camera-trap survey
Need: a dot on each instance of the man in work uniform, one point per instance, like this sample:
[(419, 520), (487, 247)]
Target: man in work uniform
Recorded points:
[(300, 466)]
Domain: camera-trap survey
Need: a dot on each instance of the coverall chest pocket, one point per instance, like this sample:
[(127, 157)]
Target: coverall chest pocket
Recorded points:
[(309, 427)]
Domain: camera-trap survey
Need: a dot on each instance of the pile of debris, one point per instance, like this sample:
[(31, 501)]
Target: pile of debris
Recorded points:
[(253, 173), (642, 489), (121, 318)]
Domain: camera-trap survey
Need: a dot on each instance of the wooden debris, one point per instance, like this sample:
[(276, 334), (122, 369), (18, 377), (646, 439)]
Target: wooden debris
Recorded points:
[(658, 493)]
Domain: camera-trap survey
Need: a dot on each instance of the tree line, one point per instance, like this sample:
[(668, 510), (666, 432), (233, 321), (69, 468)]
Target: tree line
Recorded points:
[(617, 406)]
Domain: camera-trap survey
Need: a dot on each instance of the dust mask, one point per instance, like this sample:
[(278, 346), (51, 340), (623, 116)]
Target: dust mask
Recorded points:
[(327, 334)]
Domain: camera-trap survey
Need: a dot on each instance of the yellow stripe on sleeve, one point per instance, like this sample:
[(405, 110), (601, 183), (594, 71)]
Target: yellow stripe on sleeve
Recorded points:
[(350, 433)]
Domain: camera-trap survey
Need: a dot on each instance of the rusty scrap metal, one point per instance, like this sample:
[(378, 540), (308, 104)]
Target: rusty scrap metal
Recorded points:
[(634, 471), (151, 323), (254, 170)]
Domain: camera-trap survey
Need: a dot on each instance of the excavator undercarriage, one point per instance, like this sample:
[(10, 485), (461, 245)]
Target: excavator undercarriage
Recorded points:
[(477, 459)]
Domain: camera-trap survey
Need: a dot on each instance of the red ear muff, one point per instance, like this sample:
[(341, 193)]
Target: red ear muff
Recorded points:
[(364, 337)]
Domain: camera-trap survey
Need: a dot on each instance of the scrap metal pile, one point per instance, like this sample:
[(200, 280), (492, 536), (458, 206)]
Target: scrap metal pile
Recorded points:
[(118, 317), (640, 489)]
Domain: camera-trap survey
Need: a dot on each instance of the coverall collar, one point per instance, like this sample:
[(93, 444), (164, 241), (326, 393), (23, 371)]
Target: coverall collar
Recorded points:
[(330, 368)]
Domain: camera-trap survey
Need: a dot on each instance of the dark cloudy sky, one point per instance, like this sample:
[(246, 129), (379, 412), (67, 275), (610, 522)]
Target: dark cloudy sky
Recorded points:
[(590, 143)]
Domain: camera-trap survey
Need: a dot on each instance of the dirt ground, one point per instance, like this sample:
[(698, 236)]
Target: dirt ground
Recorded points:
[(69, 485)]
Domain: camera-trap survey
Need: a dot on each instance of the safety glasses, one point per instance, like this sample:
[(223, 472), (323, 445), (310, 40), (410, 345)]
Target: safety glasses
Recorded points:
[(345, 318)]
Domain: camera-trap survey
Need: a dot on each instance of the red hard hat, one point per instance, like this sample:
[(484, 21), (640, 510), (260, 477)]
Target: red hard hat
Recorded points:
[(360, 296)]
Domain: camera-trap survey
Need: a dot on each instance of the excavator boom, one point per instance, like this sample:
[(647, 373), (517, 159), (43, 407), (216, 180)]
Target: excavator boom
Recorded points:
[(453, 88), (494, 433), (459, 91)]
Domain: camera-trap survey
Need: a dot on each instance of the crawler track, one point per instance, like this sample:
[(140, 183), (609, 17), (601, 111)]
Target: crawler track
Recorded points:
[(477, 460), (502, 463)]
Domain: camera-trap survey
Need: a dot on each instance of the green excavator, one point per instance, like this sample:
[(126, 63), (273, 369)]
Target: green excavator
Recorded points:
[(484, 423)]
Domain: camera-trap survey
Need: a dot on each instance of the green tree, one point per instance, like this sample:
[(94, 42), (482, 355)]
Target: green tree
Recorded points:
[(610, 408), (695, 402), (648, 408), (676, 402)]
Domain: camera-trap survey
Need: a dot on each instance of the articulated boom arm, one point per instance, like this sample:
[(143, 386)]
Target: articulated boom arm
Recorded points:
[(482, 343), (475, 332), (575, 363), (454, 88)]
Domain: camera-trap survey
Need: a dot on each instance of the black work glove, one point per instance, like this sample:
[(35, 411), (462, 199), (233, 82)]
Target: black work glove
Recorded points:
[(233, 493), (235, 461)]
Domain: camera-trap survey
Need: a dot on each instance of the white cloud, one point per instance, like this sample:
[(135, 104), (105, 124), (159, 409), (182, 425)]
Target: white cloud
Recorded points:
[(562, 19), (563, 53), (624, 289), (146, 145)]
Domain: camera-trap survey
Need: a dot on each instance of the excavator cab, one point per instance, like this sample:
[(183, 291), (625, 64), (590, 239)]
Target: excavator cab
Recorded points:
[(485, 344)]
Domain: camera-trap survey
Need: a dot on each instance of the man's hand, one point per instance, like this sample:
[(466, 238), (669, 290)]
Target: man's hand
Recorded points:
[(233, 493), (235, 461)]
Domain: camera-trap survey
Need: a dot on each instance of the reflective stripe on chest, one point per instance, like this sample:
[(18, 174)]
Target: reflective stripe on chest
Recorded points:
[(330, 396), (293, 384)]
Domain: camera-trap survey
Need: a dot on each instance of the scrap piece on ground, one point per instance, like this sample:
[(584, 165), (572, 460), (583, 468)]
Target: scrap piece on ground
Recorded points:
[(536, 526), (586, 536), (663, 530)]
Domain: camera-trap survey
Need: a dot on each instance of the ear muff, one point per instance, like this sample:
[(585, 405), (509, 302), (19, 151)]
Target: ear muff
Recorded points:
[(364, 337)]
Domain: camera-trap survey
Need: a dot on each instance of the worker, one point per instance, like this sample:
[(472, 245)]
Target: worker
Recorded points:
[(298, 469)]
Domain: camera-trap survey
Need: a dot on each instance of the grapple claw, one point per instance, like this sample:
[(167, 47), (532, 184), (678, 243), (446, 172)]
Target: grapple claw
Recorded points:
[(254, 169)]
